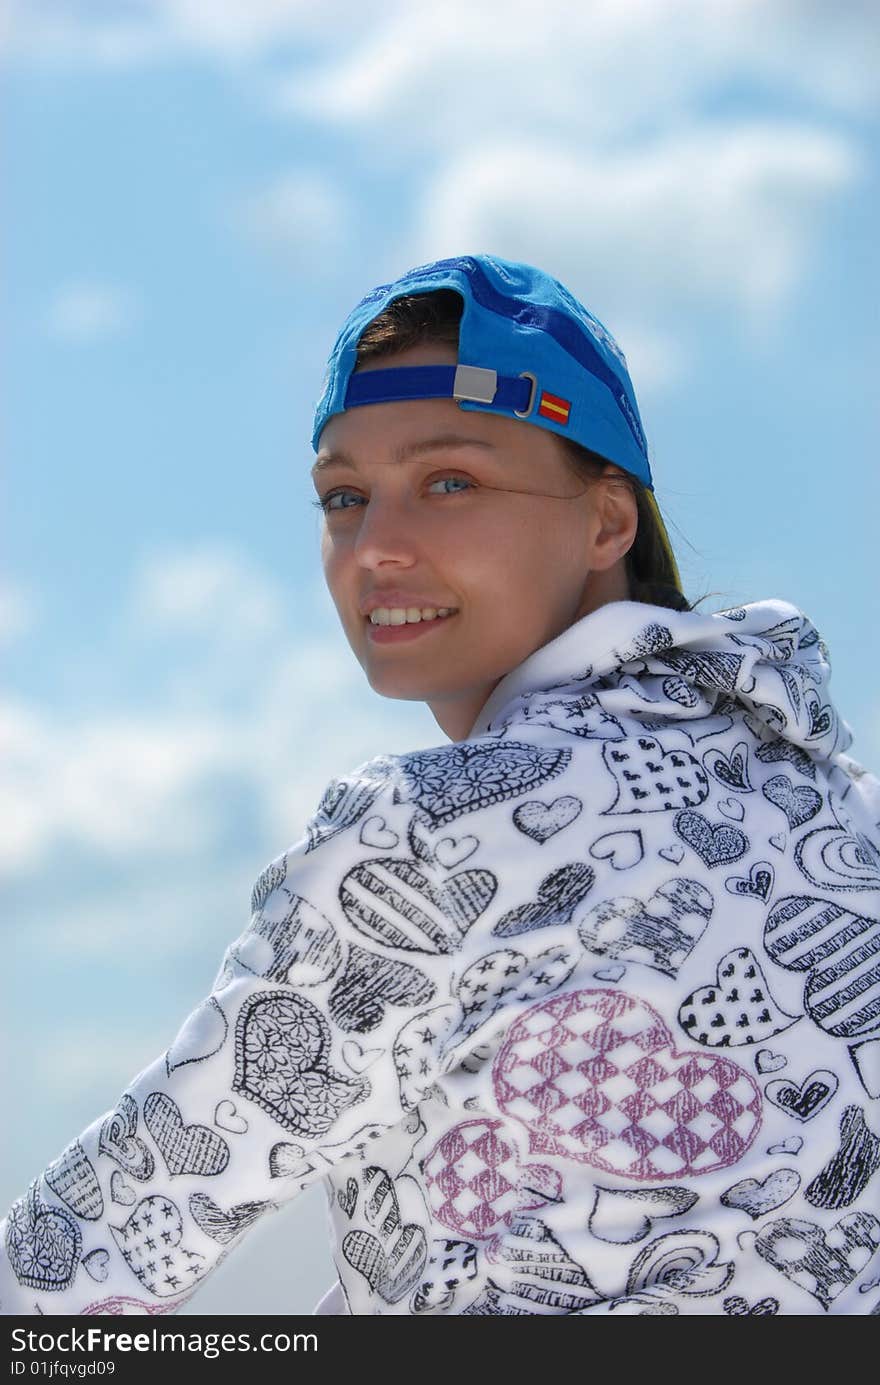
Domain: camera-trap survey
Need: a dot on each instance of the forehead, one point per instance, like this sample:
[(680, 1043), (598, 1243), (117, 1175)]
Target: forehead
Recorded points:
[(414, 450), (413, 430)]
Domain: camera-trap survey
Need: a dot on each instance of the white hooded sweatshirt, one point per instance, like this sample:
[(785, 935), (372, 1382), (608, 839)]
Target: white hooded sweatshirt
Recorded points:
[(580, 1015)]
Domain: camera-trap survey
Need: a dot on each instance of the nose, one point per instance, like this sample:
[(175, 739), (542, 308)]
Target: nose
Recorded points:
[(386, 534)]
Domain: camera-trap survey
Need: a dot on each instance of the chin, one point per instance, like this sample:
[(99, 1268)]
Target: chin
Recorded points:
[(392, 688), (405, 684)]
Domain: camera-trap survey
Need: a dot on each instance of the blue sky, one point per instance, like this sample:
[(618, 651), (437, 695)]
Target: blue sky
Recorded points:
[(197, 194)]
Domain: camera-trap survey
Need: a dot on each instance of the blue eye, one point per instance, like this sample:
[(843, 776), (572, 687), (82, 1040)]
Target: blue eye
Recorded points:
[(324, 502), (441, 479)]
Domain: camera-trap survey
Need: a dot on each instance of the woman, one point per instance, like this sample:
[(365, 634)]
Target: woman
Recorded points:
[(580, 1012)]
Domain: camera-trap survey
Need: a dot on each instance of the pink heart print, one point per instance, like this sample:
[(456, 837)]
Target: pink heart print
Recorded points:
[(594, 1076), (476, 1184), (123, 1305)]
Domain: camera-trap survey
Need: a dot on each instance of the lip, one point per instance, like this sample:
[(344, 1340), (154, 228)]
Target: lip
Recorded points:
[(401, 634), (402, 600)]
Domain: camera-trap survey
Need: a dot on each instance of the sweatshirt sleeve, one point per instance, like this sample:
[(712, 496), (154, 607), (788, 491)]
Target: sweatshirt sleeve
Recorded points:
[(286, 1068)]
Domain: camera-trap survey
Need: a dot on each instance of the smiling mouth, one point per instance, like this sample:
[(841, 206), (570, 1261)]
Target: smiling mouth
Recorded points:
[(395, 620), (405, 632)]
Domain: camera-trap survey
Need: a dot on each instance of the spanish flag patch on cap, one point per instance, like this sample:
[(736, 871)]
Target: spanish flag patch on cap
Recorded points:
[(551, 406)]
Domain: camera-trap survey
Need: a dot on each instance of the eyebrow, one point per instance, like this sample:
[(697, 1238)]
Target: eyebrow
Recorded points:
[(407, 451)]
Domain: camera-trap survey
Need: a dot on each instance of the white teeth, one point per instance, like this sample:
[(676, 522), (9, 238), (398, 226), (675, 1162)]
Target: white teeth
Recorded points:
[(408, 615)]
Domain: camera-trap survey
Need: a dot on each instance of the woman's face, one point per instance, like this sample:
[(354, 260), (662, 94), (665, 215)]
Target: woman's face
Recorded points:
[(436, 506)]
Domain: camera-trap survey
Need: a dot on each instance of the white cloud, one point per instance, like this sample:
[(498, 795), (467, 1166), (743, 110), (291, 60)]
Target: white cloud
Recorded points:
[(717, 217), (304, 217), (25, 799), (106, 34), (597, 65), (247, 26), (580, 140), (447, 75), (209, 591), (47, 33), (657, 360), (112, 781), (90, 311), (254, 711)]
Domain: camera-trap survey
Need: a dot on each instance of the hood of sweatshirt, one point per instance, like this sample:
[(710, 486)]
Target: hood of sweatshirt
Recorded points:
[(668, 666)]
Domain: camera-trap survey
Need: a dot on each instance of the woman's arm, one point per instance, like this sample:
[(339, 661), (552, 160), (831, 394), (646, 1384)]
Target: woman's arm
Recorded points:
[(285, 1068)]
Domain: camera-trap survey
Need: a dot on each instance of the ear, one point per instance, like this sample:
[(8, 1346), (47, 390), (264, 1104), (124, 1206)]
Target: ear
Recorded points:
[(615, 518)]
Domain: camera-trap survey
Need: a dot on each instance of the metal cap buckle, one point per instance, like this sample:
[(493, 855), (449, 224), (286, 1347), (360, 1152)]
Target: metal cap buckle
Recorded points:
[(475, 382), (524, 413)]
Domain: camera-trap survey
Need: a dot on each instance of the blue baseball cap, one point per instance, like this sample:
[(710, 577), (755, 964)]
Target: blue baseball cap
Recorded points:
[(527, 349)]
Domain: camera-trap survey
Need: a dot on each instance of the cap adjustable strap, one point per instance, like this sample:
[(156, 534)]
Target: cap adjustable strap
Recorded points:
[(473, 383)]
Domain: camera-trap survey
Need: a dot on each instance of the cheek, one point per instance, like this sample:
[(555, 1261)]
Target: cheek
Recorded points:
[(328, 558), (527, 553), (477, 561), (539, 571), (333, 562), (515, 582)]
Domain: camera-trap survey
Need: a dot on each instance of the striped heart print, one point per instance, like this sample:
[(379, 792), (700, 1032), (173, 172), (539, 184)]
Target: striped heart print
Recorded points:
[(395, 904), (840, 951)]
